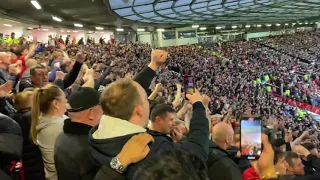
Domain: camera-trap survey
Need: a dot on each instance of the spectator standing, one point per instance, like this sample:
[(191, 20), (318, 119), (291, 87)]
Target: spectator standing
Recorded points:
[(31, 155), (12, 40), (73, 161), (49, 106), (220, 164), (51, 41)]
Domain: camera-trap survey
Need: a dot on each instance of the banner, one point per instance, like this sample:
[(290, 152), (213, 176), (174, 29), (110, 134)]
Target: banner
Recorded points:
[(303, 106)]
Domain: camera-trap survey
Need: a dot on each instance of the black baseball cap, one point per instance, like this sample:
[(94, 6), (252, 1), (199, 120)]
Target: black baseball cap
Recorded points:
[(82, 99)]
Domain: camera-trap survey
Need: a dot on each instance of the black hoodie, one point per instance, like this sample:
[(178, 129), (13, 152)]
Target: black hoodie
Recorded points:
[(107, 140)]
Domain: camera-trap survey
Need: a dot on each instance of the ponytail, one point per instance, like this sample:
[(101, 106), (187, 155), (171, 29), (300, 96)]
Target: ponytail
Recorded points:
[(35, 114)]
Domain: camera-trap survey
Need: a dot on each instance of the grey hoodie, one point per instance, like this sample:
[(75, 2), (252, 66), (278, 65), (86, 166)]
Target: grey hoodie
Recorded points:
[(47, 131)]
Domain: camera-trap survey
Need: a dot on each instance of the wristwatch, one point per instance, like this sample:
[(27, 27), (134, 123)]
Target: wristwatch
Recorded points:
[(116, 165)]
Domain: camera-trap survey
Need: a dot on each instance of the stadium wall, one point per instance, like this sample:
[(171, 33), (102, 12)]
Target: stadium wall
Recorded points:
[(263, 34), (160, 42)]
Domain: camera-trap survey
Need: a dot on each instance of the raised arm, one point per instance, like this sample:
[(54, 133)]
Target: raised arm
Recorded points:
[(145, 77), (155, 92), (176, 101), (32, 49), (197, 138), (73, 74)]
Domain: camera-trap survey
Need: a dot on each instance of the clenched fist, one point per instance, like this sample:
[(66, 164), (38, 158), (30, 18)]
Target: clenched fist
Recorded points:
[(59, 75), (15, 68)]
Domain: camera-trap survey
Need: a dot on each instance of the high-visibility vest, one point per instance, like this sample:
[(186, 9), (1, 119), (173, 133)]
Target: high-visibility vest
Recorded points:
[(266, 78), (258, 80), (268, 88), (306, 77), (287, 92), (300, 114)]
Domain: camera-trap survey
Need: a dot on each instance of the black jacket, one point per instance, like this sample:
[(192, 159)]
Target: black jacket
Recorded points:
[(63, 84), (311, 165), (145, 77), (103, 150), (31, 155), (5, 103), (72, 154), (10, 142), (220, 165)]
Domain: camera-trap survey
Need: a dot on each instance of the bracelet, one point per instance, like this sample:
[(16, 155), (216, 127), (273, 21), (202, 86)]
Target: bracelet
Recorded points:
[(270, 175)]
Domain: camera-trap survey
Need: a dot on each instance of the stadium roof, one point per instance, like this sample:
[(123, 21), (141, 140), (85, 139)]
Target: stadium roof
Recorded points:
[(130, 14), (216, 11)]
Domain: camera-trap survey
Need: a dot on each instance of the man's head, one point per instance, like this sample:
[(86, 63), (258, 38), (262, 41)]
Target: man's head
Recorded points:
[(84, 106), (162, 118), (12, 35), (311, 148), (4, 60), (172, 165), (39, 75), (126, 99), (57, 55), (279, 161), (222, 135), (294, 164), (31, 63), (1, 35)]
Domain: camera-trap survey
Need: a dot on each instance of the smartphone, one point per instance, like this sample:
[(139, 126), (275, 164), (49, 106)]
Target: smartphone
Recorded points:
[(188, 84), (250, 134)]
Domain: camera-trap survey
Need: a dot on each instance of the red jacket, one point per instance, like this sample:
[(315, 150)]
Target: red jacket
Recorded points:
[(250, 174)]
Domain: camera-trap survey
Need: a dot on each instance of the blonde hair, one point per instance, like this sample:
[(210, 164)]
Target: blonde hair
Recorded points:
[(31, 62), (42, 99), (56, 54), (20, 100)]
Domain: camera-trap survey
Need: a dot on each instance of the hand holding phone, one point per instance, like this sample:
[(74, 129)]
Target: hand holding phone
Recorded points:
[(250, 132), (195, 97), (188, 84)]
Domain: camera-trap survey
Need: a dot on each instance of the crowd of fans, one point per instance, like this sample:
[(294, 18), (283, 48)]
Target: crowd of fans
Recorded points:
[(304, 45), (71, 110)]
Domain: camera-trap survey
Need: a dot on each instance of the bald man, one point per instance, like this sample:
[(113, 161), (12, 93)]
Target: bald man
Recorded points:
[(220, 165), (7, 71), (29, 63)]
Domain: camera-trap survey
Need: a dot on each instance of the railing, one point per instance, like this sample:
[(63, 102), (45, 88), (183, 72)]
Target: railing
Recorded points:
[(304, 106)]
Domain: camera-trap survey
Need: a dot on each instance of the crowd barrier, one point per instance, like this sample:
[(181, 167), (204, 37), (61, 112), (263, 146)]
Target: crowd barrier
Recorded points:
[(303, 106)]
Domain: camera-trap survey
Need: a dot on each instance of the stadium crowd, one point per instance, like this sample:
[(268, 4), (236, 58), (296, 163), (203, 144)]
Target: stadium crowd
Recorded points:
[(120, 111)]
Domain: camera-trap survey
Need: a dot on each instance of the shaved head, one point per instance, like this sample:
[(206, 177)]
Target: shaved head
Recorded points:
[(31, 62), (4, 58), (222, 134)]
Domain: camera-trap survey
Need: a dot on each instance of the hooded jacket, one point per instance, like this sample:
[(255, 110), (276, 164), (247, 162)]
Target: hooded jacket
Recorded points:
[(47, 131), (110, 136)]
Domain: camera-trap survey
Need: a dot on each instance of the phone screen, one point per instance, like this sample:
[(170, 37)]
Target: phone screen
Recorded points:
[(188, 82), (251, 145)]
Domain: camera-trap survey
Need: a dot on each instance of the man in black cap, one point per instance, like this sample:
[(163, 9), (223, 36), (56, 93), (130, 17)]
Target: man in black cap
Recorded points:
[(71, 152)]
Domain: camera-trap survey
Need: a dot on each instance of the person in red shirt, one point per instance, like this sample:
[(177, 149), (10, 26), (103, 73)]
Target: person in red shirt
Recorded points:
[(21, 53), (60, 40)]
